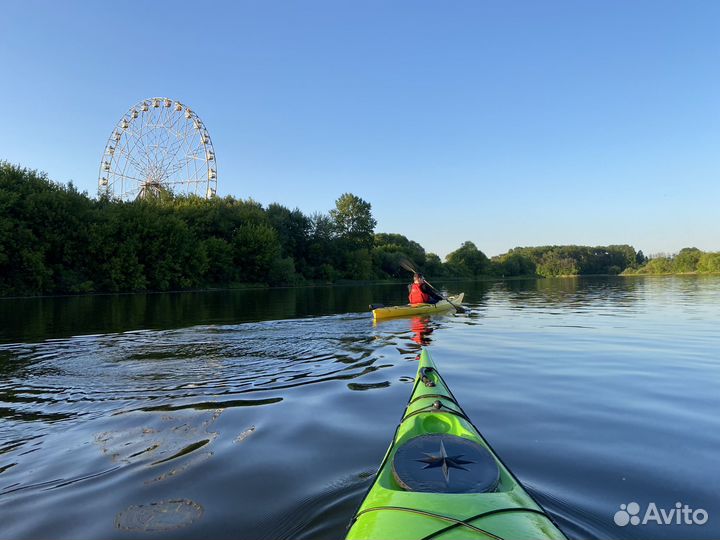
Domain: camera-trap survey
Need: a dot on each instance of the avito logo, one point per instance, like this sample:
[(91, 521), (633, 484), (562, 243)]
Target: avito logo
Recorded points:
[(681, 514)]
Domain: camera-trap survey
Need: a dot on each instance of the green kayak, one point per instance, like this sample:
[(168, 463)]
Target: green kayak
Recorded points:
[(441, 479)]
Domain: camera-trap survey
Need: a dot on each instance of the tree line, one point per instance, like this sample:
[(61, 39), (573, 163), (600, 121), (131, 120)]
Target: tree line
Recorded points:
[(57, 240), (550, 261), (688, 260)]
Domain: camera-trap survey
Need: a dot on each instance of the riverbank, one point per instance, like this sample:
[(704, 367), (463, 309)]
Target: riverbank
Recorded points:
[(261, 286), (660, 274), (354, 283)]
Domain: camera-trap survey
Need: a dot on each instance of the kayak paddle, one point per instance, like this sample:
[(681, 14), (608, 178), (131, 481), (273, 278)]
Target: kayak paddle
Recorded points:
[(407, 265)]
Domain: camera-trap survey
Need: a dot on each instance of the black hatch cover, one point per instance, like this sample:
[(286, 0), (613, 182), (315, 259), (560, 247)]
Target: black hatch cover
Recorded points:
[(441, 463)]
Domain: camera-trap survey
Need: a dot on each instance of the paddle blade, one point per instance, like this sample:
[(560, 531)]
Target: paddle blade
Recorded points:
[(407, 265)]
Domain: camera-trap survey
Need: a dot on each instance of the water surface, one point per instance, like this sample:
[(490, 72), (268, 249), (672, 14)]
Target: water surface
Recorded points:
[(263, 414)]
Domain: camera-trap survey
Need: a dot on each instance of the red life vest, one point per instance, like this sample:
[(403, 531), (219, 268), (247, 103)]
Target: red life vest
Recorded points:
[(417, 296)]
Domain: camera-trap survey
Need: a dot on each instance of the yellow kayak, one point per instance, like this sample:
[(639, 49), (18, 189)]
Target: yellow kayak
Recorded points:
[(417, 309)]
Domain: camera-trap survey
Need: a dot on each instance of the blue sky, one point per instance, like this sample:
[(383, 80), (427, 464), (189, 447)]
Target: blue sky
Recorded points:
[(504, 123)]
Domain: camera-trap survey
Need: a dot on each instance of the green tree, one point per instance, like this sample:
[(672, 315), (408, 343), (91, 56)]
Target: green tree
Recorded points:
[(358, 264), (391, 249), (353, 220), (292, 227), (397, 242), (657, 265), (387, 261), (220, 267), (709, 262), (322, 252), (514, 264), (433, 266), (553, 263), (620, 257), (687, 260), (468, 260), (282, 271), (256, 249)]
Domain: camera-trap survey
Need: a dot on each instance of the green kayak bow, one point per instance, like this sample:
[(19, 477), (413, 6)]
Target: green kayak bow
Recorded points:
[(440, 479)]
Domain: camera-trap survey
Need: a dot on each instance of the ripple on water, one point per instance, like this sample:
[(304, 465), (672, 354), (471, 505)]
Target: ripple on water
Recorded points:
[(165, 391)]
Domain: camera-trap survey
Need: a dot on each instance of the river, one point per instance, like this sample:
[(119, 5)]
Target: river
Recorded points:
[(264, 413)]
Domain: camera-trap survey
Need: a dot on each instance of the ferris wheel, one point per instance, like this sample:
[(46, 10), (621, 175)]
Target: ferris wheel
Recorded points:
[(158, 146)]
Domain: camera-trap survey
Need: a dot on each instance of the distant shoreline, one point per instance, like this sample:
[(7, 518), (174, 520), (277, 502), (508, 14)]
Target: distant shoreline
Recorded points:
[(352, 283), (258, 286), (649, 274)]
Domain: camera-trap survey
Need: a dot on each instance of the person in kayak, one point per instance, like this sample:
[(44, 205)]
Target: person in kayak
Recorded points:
[(421, 292)]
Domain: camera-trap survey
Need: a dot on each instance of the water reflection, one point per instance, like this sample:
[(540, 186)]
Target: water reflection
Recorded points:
[(32, 319), (571, 292), (421, 330), (27, 319)]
